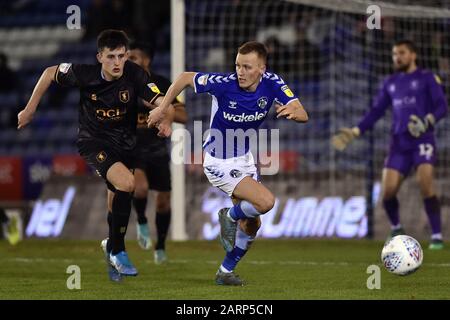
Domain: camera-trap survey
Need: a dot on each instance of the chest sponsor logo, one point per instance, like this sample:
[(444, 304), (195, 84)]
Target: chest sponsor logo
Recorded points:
[(142, 120), (103, 114), (124, 96), (244, 117), (405, 101)]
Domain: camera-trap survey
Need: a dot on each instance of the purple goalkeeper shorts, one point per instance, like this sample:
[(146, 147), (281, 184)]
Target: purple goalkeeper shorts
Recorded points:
[(403, 160)]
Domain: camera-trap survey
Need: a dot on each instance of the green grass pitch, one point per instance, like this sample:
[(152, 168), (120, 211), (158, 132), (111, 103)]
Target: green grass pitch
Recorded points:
[(272, 269)]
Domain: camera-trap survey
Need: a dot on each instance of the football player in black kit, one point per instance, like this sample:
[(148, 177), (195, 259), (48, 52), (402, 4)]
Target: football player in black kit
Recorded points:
[(153, 160), (109, 92)]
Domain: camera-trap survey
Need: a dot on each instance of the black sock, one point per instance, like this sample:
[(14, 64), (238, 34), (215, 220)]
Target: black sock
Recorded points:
[(162, 226), (121, 209), (139, 205), (109, 243), (3, 217)]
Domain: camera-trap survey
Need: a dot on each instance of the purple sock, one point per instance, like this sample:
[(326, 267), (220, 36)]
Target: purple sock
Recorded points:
[(433, 210), (391, 207)]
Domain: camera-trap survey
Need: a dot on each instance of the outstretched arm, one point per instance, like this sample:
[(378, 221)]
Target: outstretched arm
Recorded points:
[(382, 101), (294, 110), (379, 107), (158, 114), (180, 115), (25, 116)]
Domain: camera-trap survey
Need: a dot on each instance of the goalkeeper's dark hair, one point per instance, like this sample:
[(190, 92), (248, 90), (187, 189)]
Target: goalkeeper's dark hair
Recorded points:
[(408, 43), (145, 47), (254, 46), (112, 39)]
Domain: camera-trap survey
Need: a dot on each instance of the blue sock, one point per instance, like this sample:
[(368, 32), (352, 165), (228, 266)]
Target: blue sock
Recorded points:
[(232, 258), (243, 243), (243, 210), (236, 213)]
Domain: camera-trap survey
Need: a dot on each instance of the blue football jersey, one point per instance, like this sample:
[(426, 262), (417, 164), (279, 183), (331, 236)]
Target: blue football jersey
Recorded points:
[(236, 114)]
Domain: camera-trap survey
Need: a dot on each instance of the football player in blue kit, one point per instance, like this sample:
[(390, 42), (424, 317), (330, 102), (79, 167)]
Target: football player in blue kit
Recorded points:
[(240, 103), (417, 101)]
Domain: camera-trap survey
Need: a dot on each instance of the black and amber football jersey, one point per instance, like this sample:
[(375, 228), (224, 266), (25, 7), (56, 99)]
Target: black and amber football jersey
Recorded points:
[(108, 109), (149, 144)]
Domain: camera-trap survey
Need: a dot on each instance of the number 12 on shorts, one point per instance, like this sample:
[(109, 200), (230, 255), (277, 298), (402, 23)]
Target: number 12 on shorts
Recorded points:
[(426, 150)]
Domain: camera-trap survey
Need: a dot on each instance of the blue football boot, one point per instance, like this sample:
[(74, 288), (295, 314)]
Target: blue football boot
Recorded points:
[(123, 264), (113, 274), (143, 236)]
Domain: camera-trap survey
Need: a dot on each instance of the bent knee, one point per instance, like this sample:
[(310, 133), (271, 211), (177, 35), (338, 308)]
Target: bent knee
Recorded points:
[(427, 191), (266, 203), (127, 184)]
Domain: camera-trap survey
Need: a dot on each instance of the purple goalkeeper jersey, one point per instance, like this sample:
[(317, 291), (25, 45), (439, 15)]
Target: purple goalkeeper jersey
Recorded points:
[(418, 93)]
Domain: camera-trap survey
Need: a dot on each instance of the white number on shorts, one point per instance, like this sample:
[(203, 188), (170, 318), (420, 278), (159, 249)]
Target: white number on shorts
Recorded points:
[(426, 150)]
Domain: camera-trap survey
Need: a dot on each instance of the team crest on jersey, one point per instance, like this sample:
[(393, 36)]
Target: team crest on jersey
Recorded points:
[(392, 88), (153, 87), (262, 102), (414, 84), (64, 67), (124, 96), (203, 80), (101, 156), (287, 91)]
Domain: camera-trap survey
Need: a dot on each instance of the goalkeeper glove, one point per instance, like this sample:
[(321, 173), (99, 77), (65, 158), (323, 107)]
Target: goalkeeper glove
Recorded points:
[(344, 137), (417, 126)]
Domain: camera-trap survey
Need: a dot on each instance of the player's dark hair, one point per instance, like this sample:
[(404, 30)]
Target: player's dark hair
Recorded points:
[(112, 39), (145, 47), (408, 43), (254, 46)]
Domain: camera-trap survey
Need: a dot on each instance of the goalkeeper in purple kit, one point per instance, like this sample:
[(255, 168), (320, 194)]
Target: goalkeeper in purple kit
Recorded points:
[(417, 101)]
